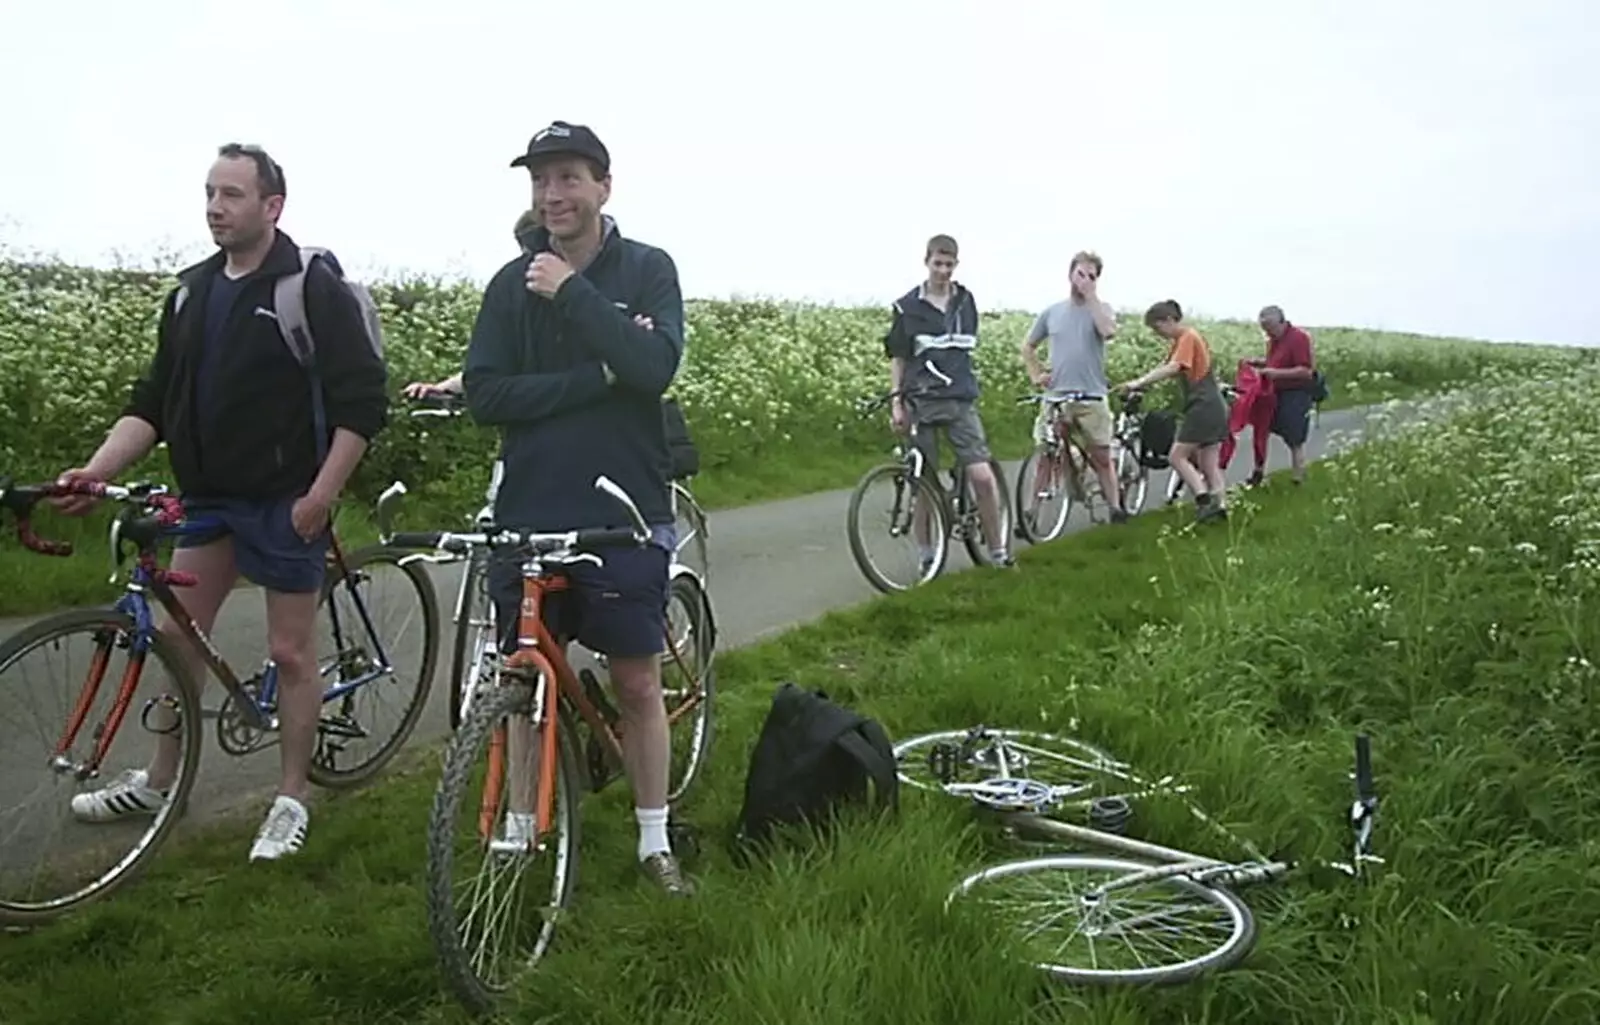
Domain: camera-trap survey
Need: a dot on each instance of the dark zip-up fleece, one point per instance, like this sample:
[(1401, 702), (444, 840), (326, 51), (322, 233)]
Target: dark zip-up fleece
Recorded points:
[(921, 331), (261, 444), (534, 369)]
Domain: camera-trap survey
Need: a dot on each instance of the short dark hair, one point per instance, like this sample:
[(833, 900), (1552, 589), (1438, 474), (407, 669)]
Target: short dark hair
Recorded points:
[(1166, 309), (1090, 257), (1273, 311), (942, 244), (269, 173)]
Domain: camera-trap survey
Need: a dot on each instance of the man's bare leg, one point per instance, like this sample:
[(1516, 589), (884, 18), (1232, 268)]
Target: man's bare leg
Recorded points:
[(1110, 487), (291, 642), (216, 574), (987, 492), (142, 792)]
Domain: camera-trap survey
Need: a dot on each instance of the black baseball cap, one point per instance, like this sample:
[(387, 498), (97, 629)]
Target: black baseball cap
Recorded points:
[(560, 137)]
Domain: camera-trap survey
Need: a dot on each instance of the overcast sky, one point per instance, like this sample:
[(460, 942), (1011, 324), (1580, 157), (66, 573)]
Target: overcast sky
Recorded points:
[(1428, 166)]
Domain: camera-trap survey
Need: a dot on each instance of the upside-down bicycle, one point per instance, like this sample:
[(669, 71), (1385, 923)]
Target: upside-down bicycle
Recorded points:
[(36, 884), (1104, 912), (473, 653), (512, 770), (920, 502)]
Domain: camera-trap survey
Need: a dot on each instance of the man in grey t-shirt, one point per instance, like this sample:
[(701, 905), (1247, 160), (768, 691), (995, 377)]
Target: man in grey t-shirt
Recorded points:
[(1077, 328)]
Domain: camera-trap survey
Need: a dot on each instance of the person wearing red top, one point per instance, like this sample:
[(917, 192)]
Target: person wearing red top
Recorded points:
[(1289, 367)]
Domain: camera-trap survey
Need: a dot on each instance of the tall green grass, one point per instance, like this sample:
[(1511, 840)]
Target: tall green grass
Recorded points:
[(1433, 589)]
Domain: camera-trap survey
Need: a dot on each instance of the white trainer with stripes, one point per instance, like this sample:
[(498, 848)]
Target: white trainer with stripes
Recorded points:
[(130, 793), (284, 831)]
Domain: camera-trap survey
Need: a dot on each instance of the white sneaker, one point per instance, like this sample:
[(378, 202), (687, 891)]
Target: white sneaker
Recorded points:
[(283, 832), (129, 794)]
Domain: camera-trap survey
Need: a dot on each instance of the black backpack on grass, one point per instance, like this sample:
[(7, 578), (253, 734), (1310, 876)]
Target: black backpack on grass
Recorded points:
[(813, 756)]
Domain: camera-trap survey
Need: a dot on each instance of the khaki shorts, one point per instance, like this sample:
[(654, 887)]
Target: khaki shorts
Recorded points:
[(1091, 417)]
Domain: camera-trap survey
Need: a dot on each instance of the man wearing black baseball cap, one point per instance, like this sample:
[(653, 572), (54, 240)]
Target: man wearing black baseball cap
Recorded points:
[(562, 139), (575, 344)]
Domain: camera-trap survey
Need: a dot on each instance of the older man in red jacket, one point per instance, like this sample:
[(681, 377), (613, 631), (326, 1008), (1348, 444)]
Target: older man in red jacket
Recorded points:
[(1289, 367)]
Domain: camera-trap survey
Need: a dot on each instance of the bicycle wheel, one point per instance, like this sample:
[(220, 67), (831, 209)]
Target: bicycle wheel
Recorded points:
[(907, 495), (688, 681), (40, 880), (972, 537), (693, 549), (1043, 500), (484, 931), (1133, 480), (929, 761), (383, 672), (1076, 930), (474, 649)]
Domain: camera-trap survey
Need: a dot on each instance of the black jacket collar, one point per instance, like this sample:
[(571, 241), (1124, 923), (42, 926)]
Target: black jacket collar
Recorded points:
[(283, 258)]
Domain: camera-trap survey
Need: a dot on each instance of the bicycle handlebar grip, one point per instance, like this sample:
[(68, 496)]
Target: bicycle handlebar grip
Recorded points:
[(417, 539), (34, 543), (607, 537)]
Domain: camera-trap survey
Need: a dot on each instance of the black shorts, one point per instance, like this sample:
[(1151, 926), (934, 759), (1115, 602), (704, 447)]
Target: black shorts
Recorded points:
[(618, 609), (266, 548)]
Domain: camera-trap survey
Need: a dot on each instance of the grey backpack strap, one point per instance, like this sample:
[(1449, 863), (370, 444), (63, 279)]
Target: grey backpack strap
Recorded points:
[(289, 303)]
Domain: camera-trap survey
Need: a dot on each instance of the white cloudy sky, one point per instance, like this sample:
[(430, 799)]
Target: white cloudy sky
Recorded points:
[(1430, 166)]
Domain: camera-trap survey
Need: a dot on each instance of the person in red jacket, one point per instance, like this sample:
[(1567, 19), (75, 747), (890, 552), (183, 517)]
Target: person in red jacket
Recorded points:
[(1289, 367), (1254, 406)]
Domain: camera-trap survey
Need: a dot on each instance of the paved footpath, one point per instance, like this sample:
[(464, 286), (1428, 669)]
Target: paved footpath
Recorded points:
[(773, 566)]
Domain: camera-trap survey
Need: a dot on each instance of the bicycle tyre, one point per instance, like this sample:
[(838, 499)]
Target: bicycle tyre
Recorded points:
[(939, 527), (188, 694), (699, 559), (473, 587), (464, 751), (344, 779), (685, 588), (1027, 525), (1131, 473), (977, 549), (1241, 938)]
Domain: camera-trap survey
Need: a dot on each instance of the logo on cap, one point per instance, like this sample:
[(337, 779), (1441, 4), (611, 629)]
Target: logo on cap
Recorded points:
[(559, 129)]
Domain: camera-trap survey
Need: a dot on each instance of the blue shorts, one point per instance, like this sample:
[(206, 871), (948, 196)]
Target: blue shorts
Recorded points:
[(1292, 419), (618, 609), (266, 548)]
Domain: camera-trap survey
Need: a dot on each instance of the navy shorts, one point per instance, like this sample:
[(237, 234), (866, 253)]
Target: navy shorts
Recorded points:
[(266, 548), (1292, 419), (618, 609)]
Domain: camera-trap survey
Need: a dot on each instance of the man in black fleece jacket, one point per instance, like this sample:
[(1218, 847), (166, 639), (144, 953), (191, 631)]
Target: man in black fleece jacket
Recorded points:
[(573, 348), (234, 407)]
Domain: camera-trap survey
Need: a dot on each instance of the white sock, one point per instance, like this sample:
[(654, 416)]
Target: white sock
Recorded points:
[(652, 831)]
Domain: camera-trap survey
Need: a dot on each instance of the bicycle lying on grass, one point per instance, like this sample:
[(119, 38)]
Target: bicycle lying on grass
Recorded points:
[(1106, 908), (512, 770), (474, 652), (360, 664), (1059, 468), (917, 488)]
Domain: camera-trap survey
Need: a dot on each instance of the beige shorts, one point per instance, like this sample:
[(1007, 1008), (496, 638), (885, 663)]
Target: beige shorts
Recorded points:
[(1091, 417)]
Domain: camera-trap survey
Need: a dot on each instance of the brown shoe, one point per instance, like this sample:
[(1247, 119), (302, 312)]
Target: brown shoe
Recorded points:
[(663, 870)]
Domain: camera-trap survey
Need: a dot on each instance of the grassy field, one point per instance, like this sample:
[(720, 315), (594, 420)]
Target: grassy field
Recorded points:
[(1442, 605), (768, 389)]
